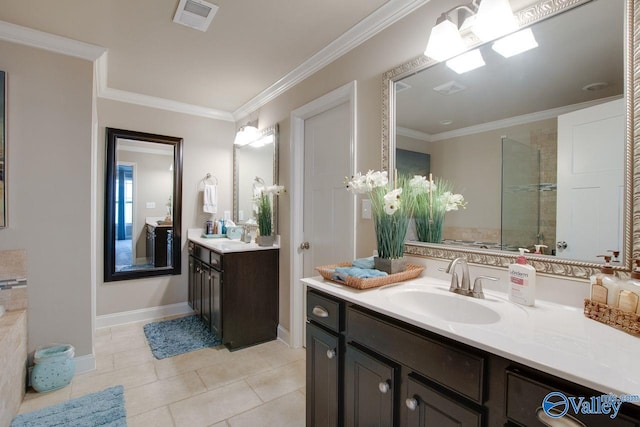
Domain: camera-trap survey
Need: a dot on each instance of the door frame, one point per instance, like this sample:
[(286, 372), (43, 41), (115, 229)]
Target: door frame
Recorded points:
[(346, 93)]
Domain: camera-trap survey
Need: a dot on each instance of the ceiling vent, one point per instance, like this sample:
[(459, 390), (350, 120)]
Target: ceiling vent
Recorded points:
[(450, 88), (402, 86), (196, 14)]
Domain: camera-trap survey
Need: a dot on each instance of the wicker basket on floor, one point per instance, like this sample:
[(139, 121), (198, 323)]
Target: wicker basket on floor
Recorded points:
[(603, 313), (412, 271)]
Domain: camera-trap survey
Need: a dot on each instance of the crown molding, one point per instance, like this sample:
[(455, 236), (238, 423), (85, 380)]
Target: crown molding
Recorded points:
[(51, 42), (415, 134), (380, 19), (101, 74), (391, 12), (518, 120)]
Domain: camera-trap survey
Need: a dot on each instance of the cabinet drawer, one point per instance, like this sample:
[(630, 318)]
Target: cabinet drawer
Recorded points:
[(524, 405), (426, 407), (326, 311), (215, 260), (451, 367)]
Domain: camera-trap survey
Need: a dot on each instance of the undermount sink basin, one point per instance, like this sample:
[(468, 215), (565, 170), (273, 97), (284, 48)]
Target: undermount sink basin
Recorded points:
[(446, 306)]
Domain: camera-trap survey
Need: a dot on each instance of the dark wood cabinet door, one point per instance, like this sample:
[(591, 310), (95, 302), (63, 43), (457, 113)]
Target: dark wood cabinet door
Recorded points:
[(426, 407), (206, 293), (323, 378), (197, 288), (215, 285), (192, 281), (370, 390)]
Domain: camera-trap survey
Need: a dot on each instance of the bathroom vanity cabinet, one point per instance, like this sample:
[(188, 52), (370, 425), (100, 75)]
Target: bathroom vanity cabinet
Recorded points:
[(159, 244), (368, 369), (235, 293)]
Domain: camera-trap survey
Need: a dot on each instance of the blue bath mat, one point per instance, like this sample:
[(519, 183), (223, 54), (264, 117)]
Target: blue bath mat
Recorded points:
[(104, 408), (176, 336)]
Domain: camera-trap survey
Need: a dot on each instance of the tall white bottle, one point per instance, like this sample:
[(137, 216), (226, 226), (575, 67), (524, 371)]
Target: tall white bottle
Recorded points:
[(522, 281)]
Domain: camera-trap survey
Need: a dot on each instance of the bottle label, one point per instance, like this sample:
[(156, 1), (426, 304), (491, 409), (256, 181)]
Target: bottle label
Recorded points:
[(628, 301), (599, 294)]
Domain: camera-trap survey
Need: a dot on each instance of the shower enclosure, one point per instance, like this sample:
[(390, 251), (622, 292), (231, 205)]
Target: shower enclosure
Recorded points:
[(520, 195)]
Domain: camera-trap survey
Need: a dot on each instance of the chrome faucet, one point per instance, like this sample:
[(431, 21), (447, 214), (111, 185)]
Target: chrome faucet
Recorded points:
[(464, 288)]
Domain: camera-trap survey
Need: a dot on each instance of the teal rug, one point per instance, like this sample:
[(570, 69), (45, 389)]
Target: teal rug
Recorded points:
[(176, 336), (104, 408)]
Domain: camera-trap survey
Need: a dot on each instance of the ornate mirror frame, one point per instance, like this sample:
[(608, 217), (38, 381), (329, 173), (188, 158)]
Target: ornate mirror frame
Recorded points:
[(544, 264)]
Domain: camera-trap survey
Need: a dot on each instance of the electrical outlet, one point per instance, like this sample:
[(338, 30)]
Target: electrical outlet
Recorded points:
[(240, 215), (227, 215)]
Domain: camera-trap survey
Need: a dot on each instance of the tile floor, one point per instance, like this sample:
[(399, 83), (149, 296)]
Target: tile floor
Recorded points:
[(261, 385)]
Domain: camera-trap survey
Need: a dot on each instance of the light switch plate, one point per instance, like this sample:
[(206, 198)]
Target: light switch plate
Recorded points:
[(151, 205), (366, 209), (227, 215)]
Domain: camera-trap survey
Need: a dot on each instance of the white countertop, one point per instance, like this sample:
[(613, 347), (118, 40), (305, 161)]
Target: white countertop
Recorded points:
[(224, 245), (550, 337)]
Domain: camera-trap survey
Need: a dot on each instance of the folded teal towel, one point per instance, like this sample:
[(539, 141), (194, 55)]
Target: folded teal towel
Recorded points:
[(341, 273), (363, 262)]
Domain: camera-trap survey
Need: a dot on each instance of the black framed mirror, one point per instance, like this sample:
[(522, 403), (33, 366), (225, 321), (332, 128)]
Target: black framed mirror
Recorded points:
[(143, 205)]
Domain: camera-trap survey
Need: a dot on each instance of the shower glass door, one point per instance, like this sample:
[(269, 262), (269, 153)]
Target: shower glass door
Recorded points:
[(520, 195)]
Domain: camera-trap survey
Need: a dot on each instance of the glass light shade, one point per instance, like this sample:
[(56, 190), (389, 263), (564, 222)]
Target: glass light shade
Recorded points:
[(445, 41), (515, 43), (494, 19), (246, 135), (466, 62)]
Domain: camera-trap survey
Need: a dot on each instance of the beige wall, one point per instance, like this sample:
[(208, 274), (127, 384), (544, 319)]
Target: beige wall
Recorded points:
[(207, 148), (49, 109)]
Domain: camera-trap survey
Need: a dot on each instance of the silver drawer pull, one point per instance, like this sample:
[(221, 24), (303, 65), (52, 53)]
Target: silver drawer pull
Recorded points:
[(412, 403), (383, 387), (320, 311), (331, 354), (565, 421)]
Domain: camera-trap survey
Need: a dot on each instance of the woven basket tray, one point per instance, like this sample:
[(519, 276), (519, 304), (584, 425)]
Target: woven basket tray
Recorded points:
[(412, 271), (623, 320)]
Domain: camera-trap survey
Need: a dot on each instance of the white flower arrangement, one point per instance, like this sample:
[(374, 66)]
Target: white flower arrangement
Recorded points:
[(433, 201), (263, 195), (391, 209)]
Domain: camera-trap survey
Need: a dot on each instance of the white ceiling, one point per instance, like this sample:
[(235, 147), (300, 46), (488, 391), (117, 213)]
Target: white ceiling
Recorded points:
[(250, 45)]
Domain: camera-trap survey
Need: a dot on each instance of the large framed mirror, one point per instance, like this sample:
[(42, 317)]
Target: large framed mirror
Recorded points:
[(540, 144), (258, 158), (143, 205)]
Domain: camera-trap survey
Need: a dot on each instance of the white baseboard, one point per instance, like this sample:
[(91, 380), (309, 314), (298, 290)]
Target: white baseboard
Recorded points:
[(283, 335), (85, 363), (122, 318)]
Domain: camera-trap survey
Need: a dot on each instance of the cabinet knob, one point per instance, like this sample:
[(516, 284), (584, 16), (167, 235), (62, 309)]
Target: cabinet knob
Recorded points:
[(304, 245), (383, 386), (320, 311), (331, 354), (412, 403)]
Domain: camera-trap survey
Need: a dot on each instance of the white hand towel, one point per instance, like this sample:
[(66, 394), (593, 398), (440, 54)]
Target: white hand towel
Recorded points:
[(210, 198)]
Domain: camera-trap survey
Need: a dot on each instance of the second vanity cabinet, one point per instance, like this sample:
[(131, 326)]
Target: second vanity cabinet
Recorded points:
[(367, 369), (235, 293)]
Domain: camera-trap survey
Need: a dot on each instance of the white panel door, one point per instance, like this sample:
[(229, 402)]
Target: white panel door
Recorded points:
[(590, 181), (328, 206)]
